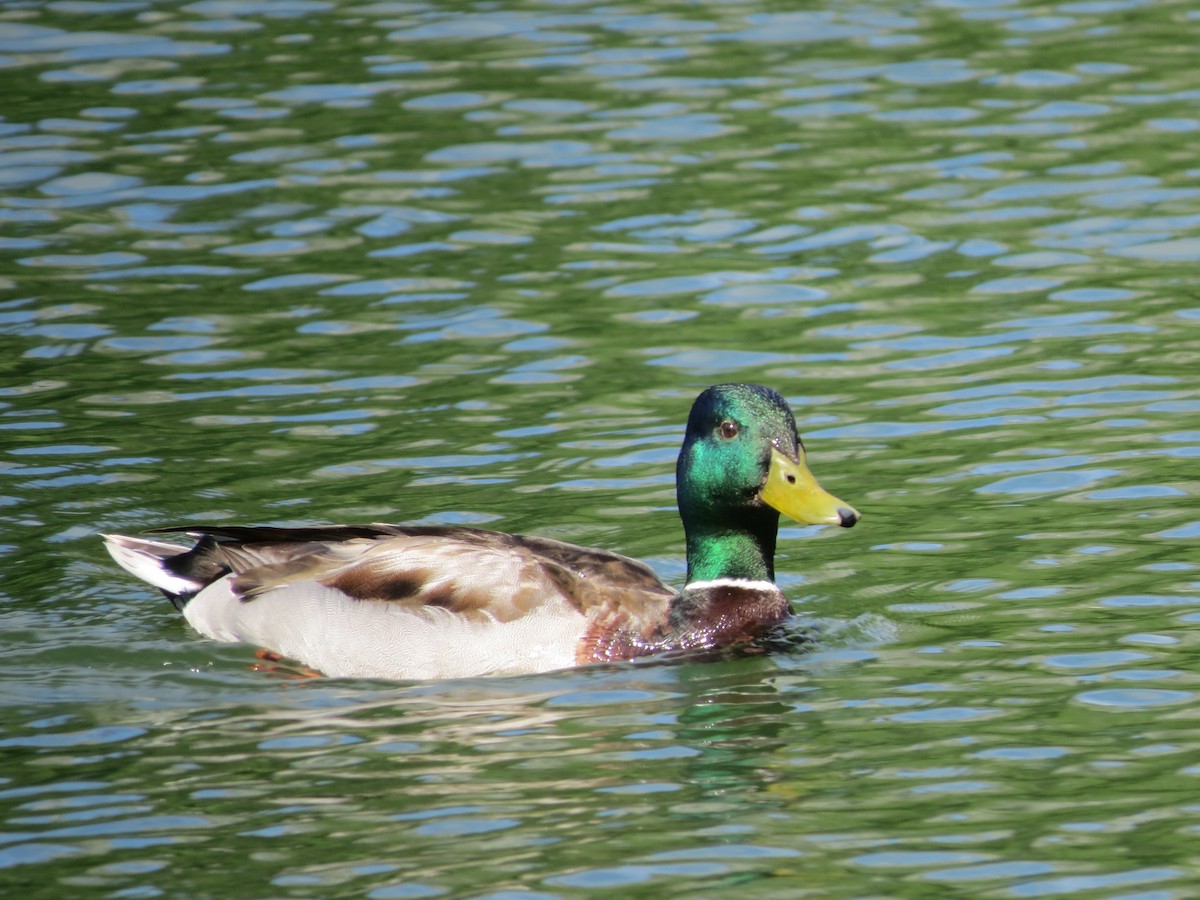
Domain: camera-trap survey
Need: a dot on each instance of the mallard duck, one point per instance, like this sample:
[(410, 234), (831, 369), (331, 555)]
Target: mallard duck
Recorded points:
[(422, 602)]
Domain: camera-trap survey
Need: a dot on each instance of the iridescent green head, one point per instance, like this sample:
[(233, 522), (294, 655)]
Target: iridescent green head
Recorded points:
[(741, 465)]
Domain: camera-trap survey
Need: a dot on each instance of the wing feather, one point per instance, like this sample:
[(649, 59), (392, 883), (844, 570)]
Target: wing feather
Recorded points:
[(477, 573)]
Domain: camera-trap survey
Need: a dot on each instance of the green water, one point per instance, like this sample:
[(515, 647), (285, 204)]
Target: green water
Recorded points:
[(299, 261)]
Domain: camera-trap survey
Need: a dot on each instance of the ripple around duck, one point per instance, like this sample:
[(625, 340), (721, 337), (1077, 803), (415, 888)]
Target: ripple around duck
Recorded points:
[(1134, 698)]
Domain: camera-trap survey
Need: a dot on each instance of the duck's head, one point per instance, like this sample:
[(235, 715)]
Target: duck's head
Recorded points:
[(741, 465)]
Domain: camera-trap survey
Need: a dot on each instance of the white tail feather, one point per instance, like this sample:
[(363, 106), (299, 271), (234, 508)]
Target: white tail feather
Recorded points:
[(144, 558)]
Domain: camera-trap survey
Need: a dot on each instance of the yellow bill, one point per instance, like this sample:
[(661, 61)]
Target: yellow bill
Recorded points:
[(791, 489)]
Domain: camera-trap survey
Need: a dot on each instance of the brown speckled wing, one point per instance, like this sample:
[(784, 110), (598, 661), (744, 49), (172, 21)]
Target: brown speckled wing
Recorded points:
[(469, 571)]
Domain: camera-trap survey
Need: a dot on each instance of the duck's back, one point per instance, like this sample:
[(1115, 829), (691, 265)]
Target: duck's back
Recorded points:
[(399, 601)]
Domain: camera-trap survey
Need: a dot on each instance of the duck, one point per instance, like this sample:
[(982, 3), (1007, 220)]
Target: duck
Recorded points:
[(423, 602)]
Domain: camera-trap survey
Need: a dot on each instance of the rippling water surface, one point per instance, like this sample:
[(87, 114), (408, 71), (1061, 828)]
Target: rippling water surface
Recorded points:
[(297, 261)]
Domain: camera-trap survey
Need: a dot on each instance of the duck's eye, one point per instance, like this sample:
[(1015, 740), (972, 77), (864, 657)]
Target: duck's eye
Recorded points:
[(729, 429)]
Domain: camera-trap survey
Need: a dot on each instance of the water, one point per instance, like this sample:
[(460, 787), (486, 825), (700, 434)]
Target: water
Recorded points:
[(299, 261)]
